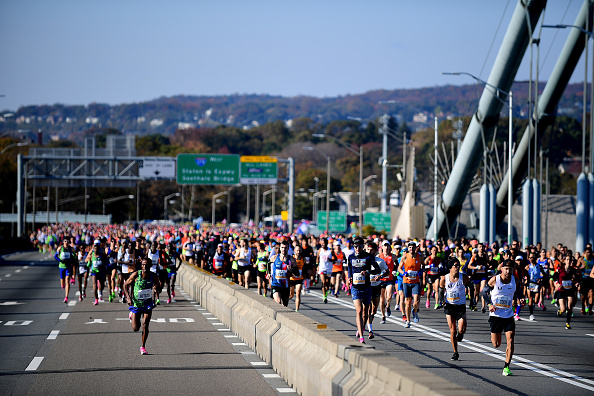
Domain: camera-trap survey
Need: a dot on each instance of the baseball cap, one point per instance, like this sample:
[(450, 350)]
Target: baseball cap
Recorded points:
[(358, 241), (519, 258), (385, 243), (507, 263)]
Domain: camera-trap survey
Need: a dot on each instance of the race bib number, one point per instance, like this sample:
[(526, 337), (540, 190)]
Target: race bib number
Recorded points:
[(262, 266), (125, 268), (412, 275), (480, 269), (96, 263), (567, 284), (503, 302), (358, 279), (111, 261), (374, 278), (433, 270), (453, 296), (281, 274), (145, 294), (82, 269), (218, 264), (65, 255), (533, 287), (307, 260)]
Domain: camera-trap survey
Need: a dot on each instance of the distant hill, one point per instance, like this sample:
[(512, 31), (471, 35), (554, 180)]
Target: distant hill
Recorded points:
[(167, 114)]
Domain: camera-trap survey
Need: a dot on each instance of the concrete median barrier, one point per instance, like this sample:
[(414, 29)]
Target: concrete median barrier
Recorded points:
[(313, 359)]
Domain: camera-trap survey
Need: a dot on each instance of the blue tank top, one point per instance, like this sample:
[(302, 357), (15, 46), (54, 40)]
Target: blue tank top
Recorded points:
[(279, 276)]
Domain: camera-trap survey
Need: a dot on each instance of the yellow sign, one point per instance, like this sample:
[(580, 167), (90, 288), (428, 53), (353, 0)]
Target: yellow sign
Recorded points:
[(257, 158), (284, 215)]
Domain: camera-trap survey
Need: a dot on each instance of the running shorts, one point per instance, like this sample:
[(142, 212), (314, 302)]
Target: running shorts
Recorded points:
[(502, 325)]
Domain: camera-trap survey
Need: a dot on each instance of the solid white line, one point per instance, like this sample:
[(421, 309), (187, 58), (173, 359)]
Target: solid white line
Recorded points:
[(259, 363), (286, 390), (238, 343), (53, 335), (270, 375), (248, 353), (64, 316), (591, 335), (34, 363), (519, 361)]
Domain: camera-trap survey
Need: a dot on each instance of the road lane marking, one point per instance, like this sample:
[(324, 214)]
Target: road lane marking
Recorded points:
[(230, 336), (248, 353), (16, 323), (53, 334), (218, 324), (181, 320), (71, 303), (212, 318), (96, 321), (270, 375), (17, 271), (10, 303), (64, 316), (286, 390), (223, 330), (259, 363), (238, 343), (495, 353), (591, 335), (34, 363), (8, 275)]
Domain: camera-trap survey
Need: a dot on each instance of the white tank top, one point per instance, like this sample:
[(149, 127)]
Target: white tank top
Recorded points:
[(502, 296), (455, 292), (155, 261), (324, 259)]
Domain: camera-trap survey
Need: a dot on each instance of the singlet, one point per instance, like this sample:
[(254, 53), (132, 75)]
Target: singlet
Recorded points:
[(82, 266), (389, 260), (279, 276), (127, 265), (155, 261), (142, 295), (455, 292), (337, 263), (374, 279), (543, 263), (534, 273), (502, 297), (218, 261), (587, 267), (347, 253), (65, 255), (96, 264), (412, 268), (433, 267), (463, 264), (261, 261), (189, 248), (566, 277), (324, 263), (355, 266), (247, 253), (300, 262)]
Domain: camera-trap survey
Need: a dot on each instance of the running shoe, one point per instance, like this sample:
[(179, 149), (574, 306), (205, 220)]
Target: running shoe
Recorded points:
[(407, 325), (371, 336), (567, 326), (333, 293), (296, 310), (436, 306), (415, 317), (559, 313), (427, 304), (483, 310), (516, 317), (158, 302), (404, 318), (455, 356), (383, 321), (111, 298), (531, 318), (143, 351), (325, 300), (396, 307), (459, 337), (362, 340), (583, 312), (66, 300), (172, 293), (336, 294), (507, 372), (85, 293), (168, 301), (357, 334), (95, 302), (80, 298), (100, 295), (389, 311)]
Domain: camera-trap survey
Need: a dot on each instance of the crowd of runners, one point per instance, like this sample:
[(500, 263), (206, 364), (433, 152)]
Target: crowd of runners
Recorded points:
[(138, 267)]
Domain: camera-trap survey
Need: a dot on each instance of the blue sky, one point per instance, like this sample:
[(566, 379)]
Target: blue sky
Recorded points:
[(79, 52)]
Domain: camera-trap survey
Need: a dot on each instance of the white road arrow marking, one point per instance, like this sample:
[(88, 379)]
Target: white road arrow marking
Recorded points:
[(6, 303)]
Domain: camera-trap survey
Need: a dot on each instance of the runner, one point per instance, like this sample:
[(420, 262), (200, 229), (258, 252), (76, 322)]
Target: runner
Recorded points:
[(324, 267), (281, 266), (172, 268), (361, 265), (97, 261), (387, 282), (296, 281), (66, 258), (434, 269), (156, 266), (143, 284), (346, 251), (502, 290), (111, 269), (478, 266), (127, 260), (584, 264), (243, 255), (220, 261), (455, 284), (189, 250), (337, 259), (566, 288), (410, 267), (83, 273), (310, 258), (375, 283), (535, 276)]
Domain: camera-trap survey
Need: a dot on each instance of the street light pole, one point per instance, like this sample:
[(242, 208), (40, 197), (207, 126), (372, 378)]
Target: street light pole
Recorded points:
[(365, 187), (510, 138), (435, 185), (214, 197), (110, 200), (165, 200), (328, 159)]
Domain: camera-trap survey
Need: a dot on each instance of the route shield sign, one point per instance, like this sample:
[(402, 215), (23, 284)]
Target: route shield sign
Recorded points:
[(207, 169), (258, 169), (379, 221), (338, 221)]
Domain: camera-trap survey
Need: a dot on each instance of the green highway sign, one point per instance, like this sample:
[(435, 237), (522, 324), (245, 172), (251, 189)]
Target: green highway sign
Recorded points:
[(207, 169), (256, 169), (379, 221), (338, 221)]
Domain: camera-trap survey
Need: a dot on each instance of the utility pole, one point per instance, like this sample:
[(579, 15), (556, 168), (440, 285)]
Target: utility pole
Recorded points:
[(384, 130)]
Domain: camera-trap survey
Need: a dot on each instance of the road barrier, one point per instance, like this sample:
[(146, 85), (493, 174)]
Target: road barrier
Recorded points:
[(313, 359)]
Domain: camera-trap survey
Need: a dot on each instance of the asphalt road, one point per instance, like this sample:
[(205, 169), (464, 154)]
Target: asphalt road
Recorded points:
[(548, 359), (48, 347)]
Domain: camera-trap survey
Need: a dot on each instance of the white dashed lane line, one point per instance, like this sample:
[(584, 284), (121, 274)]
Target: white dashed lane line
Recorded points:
[(64, 316), (34, 363), (53, 335)]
